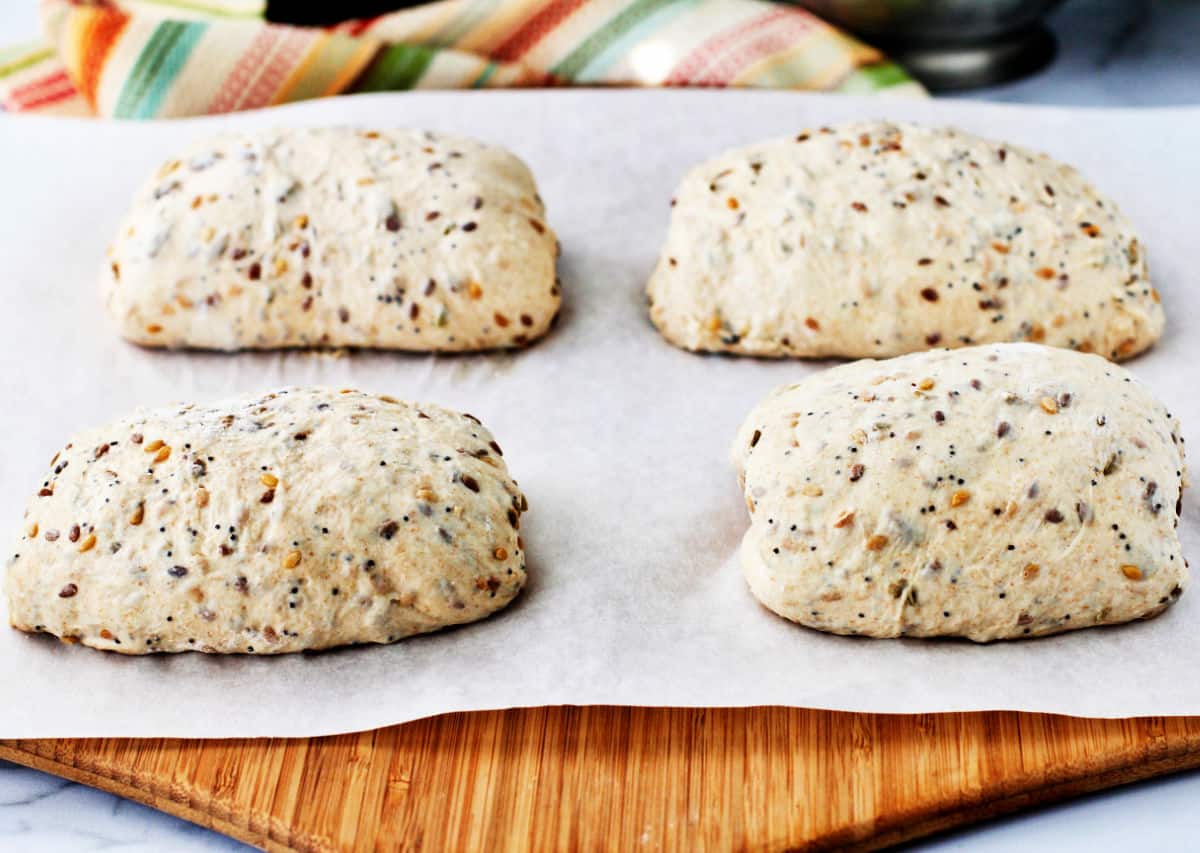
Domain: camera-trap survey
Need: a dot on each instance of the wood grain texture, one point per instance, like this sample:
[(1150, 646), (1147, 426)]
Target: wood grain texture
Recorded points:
[(597, 778)]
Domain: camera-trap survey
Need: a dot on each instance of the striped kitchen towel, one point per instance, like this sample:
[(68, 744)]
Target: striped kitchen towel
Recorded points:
[(164, 58)]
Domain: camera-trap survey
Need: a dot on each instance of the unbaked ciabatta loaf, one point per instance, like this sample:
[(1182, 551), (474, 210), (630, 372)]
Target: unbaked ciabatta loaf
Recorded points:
[(991, 492), (878, 239), (335, 237), (299, 519)]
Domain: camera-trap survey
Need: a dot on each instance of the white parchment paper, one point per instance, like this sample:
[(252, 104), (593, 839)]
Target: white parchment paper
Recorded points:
[(620, 441)]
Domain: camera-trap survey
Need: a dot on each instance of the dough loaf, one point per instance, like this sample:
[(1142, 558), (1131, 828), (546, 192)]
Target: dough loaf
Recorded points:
[(299, 519), (989, 492), (878, 239), (335, 237)]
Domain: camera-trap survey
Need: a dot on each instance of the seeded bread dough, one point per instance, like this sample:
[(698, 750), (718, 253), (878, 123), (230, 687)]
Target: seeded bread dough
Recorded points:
[(878, 239), (335, 237), (299, 519), (991, 492)]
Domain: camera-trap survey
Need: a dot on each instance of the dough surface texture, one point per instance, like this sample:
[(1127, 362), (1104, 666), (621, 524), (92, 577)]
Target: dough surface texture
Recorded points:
[(335, 237), (304, 518), (989, 492), (877, 239)]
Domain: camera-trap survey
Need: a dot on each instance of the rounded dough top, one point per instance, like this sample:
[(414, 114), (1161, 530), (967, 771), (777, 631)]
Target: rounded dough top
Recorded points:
[(299, 519), (879, 238), (332, 237), (998, 491)]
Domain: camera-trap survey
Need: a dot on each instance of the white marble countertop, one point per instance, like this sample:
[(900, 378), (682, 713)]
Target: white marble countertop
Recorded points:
[(1111, 53)]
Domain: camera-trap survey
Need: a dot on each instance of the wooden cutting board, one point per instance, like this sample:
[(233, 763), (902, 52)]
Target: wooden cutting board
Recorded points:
[(594, 778)]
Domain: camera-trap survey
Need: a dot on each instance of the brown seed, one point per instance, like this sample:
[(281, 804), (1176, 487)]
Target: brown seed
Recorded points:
[(856, 472), (877, 542), (202, 497), (1044, 272), (1053, 516), (929, 294), (1132, 572), (32, 531), (269, 480), (291, 560), (1031, 571), (500, 554), (470, 482), (1002, 248), (732, 203), (859, 206), (960, 497), (100, 451), (153, 445), (267, 496), (139, 513), (1002, 429), (163, 454), (73, 533), (68, 591), (388, 529), (845, 517), (500, 319), (811, 323), (1049, 405), (153, 328), (88, 543), (474, 290)]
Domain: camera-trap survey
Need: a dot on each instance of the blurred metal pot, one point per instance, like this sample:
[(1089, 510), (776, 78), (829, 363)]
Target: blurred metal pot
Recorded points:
[(951, 44)]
